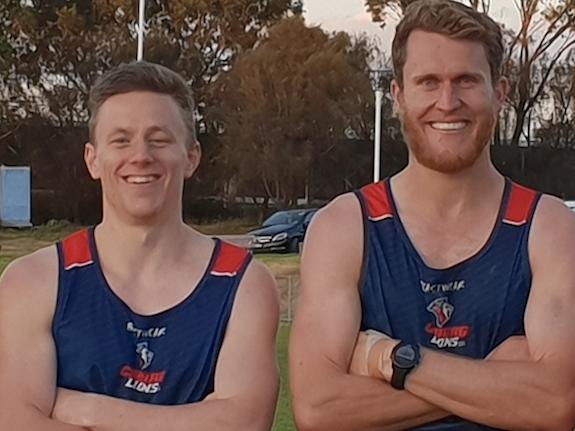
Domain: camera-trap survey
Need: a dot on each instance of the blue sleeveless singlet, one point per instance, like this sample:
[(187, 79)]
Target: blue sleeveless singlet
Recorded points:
[(467, 309), (167, 358)]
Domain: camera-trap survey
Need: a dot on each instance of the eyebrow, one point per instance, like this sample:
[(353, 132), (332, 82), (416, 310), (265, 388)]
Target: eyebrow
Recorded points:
[(420, 78), (118, 131), (160, 128), (152, 129)]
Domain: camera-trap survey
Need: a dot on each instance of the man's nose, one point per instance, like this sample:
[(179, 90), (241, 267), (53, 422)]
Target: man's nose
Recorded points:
[(448, 98), (141, 151)]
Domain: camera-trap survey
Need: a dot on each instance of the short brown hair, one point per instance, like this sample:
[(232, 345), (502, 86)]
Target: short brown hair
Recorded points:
[(452, 19), (143, 76)]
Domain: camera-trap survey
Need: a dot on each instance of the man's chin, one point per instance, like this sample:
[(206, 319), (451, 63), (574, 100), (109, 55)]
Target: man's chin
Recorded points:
[(447, 160), (447, 165)]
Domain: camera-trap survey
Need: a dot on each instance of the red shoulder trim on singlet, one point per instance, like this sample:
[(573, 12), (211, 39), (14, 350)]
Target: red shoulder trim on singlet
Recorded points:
[(229, 260), (520, 205), (378, 202), (76, 250)]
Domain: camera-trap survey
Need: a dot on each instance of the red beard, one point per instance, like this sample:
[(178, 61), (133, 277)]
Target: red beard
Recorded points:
[(446, 161)]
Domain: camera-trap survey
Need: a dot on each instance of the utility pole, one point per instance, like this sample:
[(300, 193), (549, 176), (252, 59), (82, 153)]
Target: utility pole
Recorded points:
[(141, 18), (377, 81)]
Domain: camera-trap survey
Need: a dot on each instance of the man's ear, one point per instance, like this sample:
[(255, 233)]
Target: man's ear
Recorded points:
[(502, 91), (396, 90), (194, 154), (91, 160)]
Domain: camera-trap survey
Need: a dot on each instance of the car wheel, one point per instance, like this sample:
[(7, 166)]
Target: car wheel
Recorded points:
[(293, 246)]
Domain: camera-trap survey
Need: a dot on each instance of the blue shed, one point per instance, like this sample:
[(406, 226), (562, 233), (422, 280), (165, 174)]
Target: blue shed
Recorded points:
[(15, 196)]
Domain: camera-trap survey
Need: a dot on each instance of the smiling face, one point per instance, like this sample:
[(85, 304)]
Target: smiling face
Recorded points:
[(447, 103), (140, 156)]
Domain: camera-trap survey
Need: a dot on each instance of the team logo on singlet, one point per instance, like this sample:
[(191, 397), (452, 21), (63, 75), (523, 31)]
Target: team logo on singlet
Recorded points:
[(444, 336), (142, 381), (145, 355), (441, 310), (138, 379), (452, 286), (146, 333)]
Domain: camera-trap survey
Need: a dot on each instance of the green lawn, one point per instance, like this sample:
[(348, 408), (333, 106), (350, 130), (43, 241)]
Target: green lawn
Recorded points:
[(284, 418), (3, 262)]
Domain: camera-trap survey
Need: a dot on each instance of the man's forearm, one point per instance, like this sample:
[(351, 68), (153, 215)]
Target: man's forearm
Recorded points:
[(501, 394), (33, 419), (103, 413), (348, 402)]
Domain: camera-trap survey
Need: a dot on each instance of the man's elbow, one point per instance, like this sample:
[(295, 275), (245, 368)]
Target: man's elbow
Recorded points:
[(564, 414), (557, 414), (306, 417), (311, 416), (256, 415)]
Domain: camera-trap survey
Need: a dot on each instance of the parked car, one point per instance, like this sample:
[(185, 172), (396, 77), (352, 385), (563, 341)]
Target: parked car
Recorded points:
[(282, 231), (570, 205)]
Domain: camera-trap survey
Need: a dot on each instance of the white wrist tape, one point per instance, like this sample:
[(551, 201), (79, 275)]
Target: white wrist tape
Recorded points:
[(373, 337)]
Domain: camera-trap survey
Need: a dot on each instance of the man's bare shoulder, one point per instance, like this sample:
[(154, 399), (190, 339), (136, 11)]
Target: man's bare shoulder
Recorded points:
[(259, 288), (343, 209), (553, 220), (551, 241), (29, 274), (333, 250), (340, 221)]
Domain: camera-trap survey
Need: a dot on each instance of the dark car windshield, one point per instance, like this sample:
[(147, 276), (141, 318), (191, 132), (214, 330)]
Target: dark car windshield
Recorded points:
[(283, 218)]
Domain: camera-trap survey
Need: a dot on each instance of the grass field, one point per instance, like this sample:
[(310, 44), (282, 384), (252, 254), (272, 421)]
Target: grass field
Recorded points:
[(284, 418), (15, 243)]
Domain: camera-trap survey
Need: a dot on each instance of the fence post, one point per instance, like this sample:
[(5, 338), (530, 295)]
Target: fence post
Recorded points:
[(290, 278)]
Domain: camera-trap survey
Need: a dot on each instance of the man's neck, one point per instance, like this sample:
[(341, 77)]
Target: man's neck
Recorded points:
[(141, 245), (448, 195)]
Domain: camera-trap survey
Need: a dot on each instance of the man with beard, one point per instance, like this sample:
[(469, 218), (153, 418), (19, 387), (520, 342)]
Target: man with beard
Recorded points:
[(445, 301)]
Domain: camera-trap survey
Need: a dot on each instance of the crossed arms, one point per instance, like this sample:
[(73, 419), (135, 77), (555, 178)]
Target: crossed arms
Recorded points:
[(246, 380), (527, 383)]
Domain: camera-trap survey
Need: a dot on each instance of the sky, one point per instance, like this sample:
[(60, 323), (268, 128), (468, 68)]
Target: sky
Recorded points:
[(351, 16)]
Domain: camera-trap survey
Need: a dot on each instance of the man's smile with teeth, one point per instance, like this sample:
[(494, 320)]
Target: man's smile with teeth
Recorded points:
[(140, 179), (449, 126)]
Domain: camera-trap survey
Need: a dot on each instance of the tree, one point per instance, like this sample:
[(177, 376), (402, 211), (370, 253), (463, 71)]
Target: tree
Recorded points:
[(52, 50), (380, 10), (56, 48), (556, 127), (545, 37), (289, 104)]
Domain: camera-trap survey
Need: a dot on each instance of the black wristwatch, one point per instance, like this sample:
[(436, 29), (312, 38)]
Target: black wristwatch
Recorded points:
[(404, 358)]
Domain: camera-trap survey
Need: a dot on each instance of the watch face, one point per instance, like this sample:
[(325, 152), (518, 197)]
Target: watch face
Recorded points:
[(405, 357)]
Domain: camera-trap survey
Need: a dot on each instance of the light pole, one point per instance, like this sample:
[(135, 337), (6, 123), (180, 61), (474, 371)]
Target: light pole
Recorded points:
[(141, 17), (377, 78)]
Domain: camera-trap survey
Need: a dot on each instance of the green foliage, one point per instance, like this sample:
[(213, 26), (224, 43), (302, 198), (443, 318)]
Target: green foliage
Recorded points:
[(57, 47), (381, 9), (51, 51), (288, 105)]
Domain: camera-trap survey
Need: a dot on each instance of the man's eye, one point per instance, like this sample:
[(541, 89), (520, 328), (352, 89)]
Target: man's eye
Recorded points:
[(159, 141), (119, 141), (429, 83), (468, 81)]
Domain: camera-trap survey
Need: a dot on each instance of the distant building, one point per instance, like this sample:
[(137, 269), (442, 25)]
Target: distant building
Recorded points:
[(15, 196)]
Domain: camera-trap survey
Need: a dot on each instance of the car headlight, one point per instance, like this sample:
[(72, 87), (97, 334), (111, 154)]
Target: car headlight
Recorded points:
[(280, 236)]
